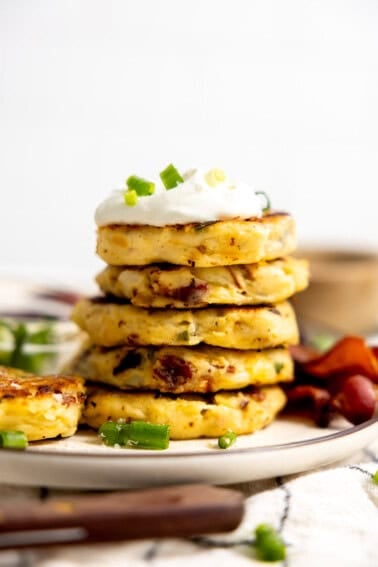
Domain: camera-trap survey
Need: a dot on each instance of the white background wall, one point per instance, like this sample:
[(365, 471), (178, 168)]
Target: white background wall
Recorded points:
[(283, 94)]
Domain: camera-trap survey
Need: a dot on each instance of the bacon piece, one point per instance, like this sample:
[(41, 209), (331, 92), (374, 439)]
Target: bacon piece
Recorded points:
[(174, 370), (350, 355), (319, 400), (190, 294), (302, 353), (356, 399)]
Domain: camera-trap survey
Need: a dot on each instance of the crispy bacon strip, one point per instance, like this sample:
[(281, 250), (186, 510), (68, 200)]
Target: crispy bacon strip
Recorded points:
[(340, 380), (350, 355)]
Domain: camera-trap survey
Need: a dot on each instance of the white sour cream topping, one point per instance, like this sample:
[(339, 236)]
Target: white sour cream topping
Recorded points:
[(192, 201)]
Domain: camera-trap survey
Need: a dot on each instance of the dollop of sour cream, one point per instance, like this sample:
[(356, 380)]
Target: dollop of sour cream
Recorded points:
[(194, 200)]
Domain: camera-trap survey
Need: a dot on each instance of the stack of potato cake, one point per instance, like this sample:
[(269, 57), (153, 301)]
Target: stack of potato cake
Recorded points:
[(193, 326)]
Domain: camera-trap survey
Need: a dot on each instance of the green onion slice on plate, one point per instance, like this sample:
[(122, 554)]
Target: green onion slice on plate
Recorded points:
[(138, 434), (225, 441), (109, 433), (13, 440)]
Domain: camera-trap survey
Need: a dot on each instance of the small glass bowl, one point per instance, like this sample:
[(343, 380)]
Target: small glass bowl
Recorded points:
[(40, 346)]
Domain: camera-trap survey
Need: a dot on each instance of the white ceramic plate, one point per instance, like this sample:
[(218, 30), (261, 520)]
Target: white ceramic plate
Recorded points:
[(287, 446)]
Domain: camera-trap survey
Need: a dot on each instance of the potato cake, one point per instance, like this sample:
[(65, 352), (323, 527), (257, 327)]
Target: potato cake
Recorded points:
[(41, 407), (183, 369), (112, 324), (189, 416), (185, 287), (215, 243)]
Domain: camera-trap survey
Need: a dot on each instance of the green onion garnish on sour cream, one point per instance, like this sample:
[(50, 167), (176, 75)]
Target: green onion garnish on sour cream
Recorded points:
[(137, 187), (171, 177), (141, 186), (267, 201), (131, 198)]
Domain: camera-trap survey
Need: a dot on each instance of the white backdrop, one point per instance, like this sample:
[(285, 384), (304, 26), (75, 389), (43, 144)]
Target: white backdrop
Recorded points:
[(283, 94)]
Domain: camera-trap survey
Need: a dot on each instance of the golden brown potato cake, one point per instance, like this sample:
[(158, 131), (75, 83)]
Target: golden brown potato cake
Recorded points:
[(189, 416), (41, 407), (185, 287), (183, 369), (218, 243), (112, 324)]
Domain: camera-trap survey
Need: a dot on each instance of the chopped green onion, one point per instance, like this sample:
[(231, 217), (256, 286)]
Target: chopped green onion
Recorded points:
[(183, 336), (267, 201), (141, 186), (43, 336), (215, 176), (226, 440), (13, 440), (131, 198), (278, 366), (145, 435), (171, 177), (268, 544), (20, 336), (138, 434), (110, 432), (375, 477)]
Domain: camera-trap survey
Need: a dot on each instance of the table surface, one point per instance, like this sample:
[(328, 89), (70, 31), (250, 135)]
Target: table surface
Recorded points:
[(327, 516)]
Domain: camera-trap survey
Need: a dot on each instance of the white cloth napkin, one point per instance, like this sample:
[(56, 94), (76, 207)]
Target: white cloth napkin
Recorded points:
[(327, 518)]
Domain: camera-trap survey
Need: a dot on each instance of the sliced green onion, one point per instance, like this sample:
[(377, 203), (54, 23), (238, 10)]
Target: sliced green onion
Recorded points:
[(261, 531), (278, 366), (138, 434), (145, 435), (375, 477), (131, 198), (183, 336), (13, 440), (215, 176), (110, 433), (267, 201), (269, 544), (226, 440), (20, 337), (171, 177), (141, 186)]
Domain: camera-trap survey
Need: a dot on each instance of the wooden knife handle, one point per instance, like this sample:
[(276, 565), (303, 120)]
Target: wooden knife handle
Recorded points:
[(176, 511)]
